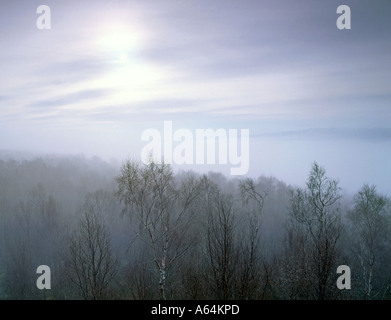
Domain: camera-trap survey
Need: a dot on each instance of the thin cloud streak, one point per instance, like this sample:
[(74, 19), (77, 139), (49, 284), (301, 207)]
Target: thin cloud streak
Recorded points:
[(333, 134)]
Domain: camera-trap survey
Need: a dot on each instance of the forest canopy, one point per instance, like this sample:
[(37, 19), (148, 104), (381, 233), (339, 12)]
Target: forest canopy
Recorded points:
[(145, 231)]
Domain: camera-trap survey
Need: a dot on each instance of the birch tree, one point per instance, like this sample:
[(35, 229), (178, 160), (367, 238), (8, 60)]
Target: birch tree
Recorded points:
[(164, 208), (370, 226), (313, 235)]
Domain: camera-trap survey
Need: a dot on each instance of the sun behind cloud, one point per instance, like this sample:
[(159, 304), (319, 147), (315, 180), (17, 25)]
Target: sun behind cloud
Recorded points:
[(130, 75), (118, 41)]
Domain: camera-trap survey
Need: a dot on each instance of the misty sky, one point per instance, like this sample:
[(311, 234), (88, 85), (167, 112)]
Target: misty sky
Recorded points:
[(107, 70)]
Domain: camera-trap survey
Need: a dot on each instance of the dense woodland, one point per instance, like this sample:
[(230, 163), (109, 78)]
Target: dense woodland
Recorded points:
[(135, 231)]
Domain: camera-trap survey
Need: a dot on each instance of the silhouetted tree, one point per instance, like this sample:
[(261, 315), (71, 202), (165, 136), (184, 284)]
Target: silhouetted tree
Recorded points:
[(90, 264)]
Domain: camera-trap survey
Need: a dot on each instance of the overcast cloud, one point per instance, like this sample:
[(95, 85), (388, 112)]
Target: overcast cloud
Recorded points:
[(107, 70)]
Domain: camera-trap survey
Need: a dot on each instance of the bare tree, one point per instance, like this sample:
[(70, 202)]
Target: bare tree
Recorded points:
[(163, 206), (221, 247), (313, 233), (250, 267), (370, 226), (235, 269), (90, 263), (32, 238)]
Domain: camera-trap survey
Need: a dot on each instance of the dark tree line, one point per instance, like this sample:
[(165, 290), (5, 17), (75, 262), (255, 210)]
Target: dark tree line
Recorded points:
[(146, 232)]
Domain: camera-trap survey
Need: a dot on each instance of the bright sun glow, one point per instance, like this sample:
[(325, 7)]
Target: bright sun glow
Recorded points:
[(130, 83), (129, 74), (130, 77), (124, 58), (119, 42)]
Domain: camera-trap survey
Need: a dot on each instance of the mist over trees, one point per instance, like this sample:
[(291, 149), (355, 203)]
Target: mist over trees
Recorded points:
[(135, 231)]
